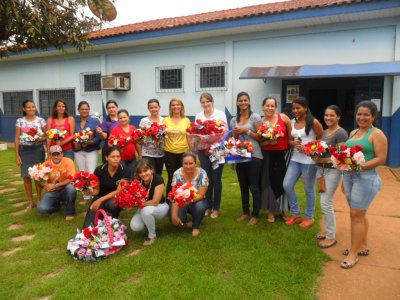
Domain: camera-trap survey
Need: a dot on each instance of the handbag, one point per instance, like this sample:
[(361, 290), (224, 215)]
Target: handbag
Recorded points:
[(321, 184)]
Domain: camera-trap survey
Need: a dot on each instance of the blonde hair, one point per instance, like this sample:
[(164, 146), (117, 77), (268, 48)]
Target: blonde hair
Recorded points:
[(182, 115)]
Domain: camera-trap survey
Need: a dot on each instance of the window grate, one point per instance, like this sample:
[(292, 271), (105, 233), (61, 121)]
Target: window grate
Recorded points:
[(169, 79), (47, 98), (13, 102), (91, 83), (211, 76)]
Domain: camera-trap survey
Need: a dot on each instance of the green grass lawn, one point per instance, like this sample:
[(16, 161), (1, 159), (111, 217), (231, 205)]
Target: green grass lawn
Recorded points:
[(230, 260)]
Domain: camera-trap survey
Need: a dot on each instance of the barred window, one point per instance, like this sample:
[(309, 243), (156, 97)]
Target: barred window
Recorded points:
[(211, 76), (169, 79), (47, 98), (91, 83), (13, 102)]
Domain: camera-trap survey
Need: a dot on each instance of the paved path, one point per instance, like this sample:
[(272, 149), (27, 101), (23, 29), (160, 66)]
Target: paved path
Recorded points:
[(376, 276)]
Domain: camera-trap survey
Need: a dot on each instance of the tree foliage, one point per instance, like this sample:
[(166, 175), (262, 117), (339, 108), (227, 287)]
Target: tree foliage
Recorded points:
[(43, 24)]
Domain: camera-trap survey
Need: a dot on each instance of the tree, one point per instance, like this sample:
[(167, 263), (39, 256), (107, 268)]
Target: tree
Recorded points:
[(42, 24)]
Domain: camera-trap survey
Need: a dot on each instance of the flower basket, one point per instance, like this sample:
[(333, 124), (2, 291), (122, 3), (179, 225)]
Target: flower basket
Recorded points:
[(94, 243), (204, 141)]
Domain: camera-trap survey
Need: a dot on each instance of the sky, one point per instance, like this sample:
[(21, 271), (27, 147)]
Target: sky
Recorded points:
[(131, 11)]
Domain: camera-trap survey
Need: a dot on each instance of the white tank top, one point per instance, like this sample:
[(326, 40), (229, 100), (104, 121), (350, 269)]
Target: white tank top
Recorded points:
[(298, 156)]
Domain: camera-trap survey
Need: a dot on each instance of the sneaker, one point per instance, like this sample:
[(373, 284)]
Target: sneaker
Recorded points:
[(149, 241), (214, 214), (69, 218), (243, 217), (207, 212)]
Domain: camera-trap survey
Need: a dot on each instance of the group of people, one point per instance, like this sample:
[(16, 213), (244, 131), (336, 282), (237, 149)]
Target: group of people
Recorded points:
[(269, 177)]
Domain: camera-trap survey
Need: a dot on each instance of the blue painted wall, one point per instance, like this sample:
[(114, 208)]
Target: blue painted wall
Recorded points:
[(393, 137)]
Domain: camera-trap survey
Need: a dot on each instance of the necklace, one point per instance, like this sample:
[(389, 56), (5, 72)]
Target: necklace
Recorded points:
[(151, 181)]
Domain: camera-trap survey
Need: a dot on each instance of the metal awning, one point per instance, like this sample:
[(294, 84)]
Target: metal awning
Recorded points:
[(315, 71)]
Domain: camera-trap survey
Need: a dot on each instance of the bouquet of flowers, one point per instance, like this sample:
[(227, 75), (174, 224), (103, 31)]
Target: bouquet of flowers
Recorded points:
[(270, 132), (98, 116), (137, 135), (231, 151), (132, 194), (155, 132), (31, 134), (97, 242), (347, 158), (238, 147), (119, 141), (40, 172), (56, 134), (84, 181), (315, 148), (182, 193), (202, 134), (84, 136)]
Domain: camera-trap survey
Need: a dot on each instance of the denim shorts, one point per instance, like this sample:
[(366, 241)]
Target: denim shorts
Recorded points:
[(361, 188)]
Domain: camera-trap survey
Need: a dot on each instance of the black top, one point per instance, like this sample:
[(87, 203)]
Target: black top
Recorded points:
[(156, 181), (109, 184)]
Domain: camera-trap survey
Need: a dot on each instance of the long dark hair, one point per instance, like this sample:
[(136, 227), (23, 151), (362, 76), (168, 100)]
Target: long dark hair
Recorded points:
[(25, 103), (55, 115), (110, 102), (309, 117), (237, 107)]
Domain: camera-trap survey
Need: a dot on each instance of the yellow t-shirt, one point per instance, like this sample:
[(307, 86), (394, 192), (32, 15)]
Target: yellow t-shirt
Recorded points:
[(176, 142)]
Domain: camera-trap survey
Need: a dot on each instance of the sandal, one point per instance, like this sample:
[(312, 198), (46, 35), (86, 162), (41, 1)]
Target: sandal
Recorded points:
[(364, 252), (284, 216), (294, 220), (324, 245), (346, 265), (320, 236), (307, 223), (271, 218)]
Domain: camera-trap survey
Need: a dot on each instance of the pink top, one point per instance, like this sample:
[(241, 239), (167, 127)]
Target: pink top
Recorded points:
[(66, 126), (282, 143)]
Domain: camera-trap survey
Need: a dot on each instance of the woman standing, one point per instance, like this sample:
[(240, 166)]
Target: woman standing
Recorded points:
[(177, 143), (333, 136), (155, 208), (275, 153), (361, 187), (61, 120), (107, 125), (214, 191), (29, 153), (190, 173), (304, 128), (152, 149), (110, 176), (248, 173), (124, 129)]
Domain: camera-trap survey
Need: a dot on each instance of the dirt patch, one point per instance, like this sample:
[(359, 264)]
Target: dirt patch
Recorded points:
[(53, 274), (49, 251), (17, 182), (19, 213), (18, 204), (11, 251), (23, 238), (3, 191), (15, 226), (17, 175), (135, 278), (14, 199), (135, 252), (45, 298)]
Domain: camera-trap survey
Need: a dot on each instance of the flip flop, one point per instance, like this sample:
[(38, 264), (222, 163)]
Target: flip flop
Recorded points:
[(364, 252), (346, 265), (323, 245), (320, 236)]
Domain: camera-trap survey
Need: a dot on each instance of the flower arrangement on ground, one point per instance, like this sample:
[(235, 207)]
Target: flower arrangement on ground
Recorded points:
[(202, 134), (155, 132), (40, 172), (31, 134), (182, 193), (56, 134), (84, 181), (133, 194), (270, 132), (347, 158), (94, 243), (315, 148), (84, 136)]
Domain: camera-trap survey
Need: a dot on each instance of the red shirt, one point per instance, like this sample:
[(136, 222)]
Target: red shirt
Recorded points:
[(128, 152), (66, 126), (282, 143)]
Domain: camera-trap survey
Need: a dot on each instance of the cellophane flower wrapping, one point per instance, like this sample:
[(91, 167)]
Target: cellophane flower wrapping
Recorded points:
[(347, 158), (232, 147), (84, 181), (270, 131), (132, 194), (202, 134), (93, 243), (119, 141), (315, 148), (40, 172), (84, 136), (56, 134), (182, 193), (31, 134), (154, 133)]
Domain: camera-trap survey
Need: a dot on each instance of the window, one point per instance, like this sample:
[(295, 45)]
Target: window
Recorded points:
[(211, 76), (13, 102), (91, 83), (169, 79), (47, 98)]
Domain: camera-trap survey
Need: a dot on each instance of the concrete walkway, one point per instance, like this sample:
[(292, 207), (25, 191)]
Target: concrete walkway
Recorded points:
[(376, 276)]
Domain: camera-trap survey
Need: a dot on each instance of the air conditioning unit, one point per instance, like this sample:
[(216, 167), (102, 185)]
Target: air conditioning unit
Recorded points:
[(116, 82)]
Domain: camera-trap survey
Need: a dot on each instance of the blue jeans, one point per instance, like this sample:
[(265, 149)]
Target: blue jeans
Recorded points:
[(51, 201), (214, 191), (197, 211), (308, 174), (361, 188)]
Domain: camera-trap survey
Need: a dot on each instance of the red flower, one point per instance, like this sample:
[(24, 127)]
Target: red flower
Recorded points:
[(87, 233), (132, 194)]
